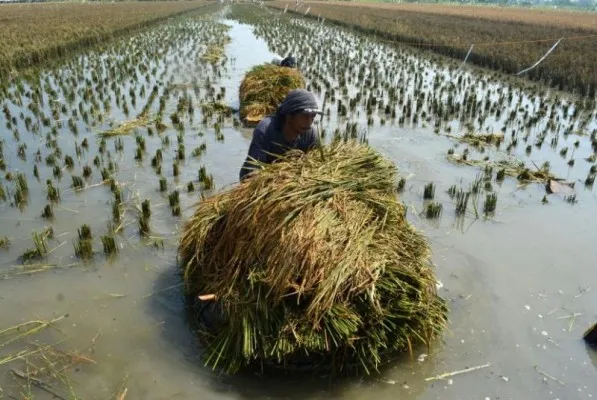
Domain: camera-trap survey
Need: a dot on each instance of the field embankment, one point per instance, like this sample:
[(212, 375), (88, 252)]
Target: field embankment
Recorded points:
[(32, 33), (496, 33)]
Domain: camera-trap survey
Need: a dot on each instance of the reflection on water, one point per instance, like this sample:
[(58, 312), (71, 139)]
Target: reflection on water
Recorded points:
[(592, 350)]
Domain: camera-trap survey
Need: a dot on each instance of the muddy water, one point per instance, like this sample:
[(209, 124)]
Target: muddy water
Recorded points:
[(518, 284)]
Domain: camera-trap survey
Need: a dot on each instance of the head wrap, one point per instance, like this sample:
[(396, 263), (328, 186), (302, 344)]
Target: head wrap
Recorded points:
[(299, 101), (289, 62)]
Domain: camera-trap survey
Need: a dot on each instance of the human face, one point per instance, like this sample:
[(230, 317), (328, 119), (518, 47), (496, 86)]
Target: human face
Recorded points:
[(300, 123)]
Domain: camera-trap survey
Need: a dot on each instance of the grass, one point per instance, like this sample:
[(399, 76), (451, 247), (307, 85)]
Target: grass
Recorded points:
[(346, 308), (35, 33), (450, 30)]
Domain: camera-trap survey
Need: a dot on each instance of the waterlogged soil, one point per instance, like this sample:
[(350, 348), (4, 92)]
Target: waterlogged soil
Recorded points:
[(520, 282)]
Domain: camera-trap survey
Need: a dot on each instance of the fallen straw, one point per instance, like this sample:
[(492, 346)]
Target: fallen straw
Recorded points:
[(124, 128), (549, 376), (37, 383), (41, 325), (462, 371), (122, 391), (24, 354), (178, 285), (122, 395)]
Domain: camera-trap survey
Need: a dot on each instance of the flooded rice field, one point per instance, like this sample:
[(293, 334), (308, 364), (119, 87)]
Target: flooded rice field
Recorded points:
[(104, 156)]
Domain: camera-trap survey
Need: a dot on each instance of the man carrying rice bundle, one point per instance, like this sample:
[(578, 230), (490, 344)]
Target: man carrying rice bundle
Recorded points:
[(290, 128)]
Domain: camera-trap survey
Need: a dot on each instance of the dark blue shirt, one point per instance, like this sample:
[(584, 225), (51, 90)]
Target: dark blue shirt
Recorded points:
[(269, 142)]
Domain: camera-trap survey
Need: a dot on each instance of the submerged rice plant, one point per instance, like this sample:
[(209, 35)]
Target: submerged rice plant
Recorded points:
[(490, 203), (40, 248), (145, 209), (433, 210), (84, 244), (462, 199), (109, 244), (429, 191), (78, 182)]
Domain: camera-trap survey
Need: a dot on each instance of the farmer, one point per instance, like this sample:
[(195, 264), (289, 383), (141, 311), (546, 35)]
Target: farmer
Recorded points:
[(289, 128), (289, 62)]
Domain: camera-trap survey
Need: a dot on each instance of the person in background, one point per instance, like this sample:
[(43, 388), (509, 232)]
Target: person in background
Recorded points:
[(289, 62), (291, 127)]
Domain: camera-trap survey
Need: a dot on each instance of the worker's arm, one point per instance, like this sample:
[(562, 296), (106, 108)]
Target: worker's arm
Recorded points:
[(257, 150)]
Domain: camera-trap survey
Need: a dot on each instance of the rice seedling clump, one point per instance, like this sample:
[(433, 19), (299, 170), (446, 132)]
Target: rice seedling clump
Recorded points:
[(311, 263), (264, 88)]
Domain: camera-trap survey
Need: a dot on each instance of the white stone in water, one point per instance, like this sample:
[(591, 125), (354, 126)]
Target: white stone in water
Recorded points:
[(527, 307), (422, 357), (450, 381), (544, 333), (505, 378)]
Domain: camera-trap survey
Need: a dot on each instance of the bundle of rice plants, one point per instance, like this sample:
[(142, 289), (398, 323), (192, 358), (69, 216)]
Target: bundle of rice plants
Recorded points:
[(264, 88), (311, 261)]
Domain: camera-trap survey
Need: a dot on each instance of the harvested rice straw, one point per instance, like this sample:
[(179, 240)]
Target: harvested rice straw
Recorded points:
[(264, 88), (311, 262)]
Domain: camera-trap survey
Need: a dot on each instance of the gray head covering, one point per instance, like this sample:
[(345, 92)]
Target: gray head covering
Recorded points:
[(297, 101)]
